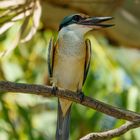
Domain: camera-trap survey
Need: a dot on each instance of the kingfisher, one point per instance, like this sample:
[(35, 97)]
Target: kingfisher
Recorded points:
[(69, 60)]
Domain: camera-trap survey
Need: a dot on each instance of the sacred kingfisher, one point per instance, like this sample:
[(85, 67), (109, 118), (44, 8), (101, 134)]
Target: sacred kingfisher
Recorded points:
[(68, 61)]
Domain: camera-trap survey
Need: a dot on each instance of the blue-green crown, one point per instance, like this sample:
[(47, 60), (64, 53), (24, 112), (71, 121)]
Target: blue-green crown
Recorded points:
[(69, 20)]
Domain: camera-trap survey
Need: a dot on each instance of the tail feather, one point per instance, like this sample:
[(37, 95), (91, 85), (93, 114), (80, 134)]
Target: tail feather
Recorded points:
[(63, 123)]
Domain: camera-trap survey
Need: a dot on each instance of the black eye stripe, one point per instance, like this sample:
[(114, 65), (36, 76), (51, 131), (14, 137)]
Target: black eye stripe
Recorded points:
[(70, 20), (76, 18)]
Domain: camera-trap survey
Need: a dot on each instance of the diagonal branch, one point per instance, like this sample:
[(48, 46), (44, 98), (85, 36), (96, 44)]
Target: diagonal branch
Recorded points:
[(46, 91), (112, 133)]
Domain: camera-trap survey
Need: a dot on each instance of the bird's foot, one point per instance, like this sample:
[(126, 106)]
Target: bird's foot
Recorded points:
[(81, 96), (54, 89), (53, 81)]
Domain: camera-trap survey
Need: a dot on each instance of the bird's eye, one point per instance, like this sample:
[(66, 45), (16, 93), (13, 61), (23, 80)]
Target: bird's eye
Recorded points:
[(76, 18)]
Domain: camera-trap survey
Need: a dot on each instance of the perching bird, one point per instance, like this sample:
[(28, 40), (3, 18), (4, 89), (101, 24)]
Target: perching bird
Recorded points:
[(68, 62)]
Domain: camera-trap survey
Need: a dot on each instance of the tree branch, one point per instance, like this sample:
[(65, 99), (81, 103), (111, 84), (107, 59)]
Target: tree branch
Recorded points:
[(46, 91), (112, 133)]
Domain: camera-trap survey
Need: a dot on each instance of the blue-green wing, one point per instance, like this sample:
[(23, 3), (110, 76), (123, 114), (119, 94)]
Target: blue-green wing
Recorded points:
[(87, 60)]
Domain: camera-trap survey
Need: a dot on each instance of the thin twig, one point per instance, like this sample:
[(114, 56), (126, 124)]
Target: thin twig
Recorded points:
[(112, 133), (46, 91)]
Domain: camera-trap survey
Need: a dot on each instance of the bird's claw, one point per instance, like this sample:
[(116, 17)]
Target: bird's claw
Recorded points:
[(81, 96), (54, 89)]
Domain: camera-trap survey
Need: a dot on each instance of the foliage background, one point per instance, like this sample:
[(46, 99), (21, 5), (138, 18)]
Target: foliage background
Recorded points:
[(114, 77)]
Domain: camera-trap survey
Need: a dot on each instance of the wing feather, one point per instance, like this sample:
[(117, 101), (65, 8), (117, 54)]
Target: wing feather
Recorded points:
[(87, 60), (51, 51)]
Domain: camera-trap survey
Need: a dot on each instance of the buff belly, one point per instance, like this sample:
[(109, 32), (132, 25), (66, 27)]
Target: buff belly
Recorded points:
[(68, 73)]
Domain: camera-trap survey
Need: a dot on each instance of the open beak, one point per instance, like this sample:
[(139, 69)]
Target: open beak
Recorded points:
[(96, 21)]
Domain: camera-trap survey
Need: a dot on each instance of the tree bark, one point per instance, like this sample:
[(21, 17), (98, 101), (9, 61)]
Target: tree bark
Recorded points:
[(47, 91)]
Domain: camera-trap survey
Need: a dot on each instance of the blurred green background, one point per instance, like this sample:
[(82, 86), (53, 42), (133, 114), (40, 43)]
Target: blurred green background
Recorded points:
[(114, 78)]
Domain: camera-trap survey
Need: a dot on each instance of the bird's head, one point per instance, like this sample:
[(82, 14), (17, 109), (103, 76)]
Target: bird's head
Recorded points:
[(84, 23)]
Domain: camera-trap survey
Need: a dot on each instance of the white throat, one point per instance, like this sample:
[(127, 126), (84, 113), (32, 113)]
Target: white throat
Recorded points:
[(71, 39)]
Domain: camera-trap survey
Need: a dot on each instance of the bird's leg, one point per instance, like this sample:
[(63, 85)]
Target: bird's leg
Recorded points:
[(53, 81), (81, 95)]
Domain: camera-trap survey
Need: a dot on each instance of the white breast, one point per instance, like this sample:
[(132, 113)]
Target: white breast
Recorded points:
[(71, 43)]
